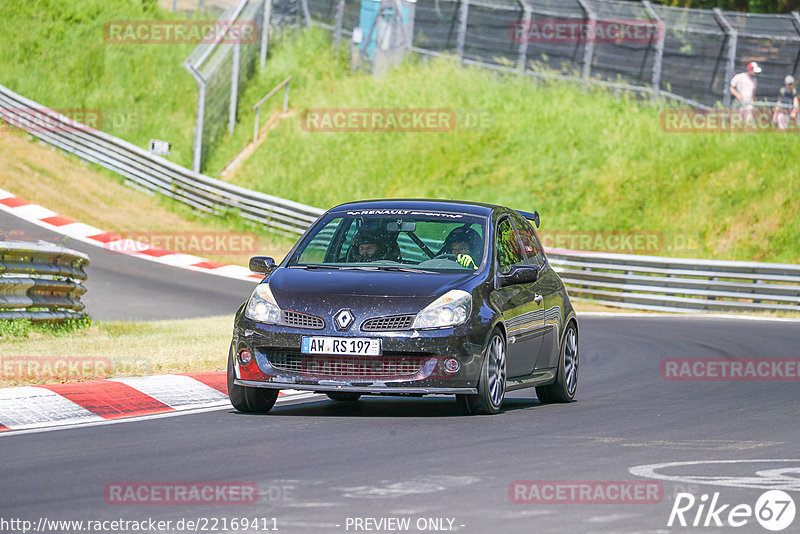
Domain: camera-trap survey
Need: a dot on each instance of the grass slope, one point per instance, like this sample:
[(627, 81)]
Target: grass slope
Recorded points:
[(55, 53)]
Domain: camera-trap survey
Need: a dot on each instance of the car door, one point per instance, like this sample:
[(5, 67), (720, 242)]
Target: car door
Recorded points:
[(522, 313), (546, 290)]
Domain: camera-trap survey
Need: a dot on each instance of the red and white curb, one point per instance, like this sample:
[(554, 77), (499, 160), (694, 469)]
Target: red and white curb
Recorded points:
[(41, 216), (98, 401)]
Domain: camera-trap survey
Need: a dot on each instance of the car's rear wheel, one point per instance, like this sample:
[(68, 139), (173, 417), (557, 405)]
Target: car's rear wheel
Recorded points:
[(342, 396), (245, 399), (492, 381), (563, 389)]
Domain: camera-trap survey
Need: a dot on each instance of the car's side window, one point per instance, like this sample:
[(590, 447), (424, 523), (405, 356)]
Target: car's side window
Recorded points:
[(530, 242), (508, 250)]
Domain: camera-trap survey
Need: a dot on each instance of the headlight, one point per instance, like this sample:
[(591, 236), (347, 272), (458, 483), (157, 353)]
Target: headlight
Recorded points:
[(450, 309), (262, 306)]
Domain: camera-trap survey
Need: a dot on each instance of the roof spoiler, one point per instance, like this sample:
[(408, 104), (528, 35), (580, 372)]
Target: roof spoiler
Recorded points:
[(531, 216)]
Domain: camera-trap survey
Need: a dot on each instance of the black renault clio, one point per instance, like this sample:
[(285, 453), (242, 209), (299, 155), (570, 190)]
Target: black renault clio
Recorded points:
[(408, 297)]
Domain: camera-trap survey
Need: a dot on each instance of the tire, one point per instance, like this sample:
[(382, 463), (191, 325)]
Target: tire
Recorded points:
[(566, 384), (343, 396), (492, 381), (249, 400)]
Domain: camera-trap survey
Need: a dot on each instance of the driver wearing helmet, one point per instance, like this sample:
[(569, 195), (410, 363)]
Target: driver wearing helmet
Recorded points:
[(371, 245), (465, 244)]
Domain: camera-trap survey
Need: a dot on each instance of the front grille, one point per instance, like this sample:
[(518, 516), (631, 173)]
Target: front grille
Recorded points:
[(303, 320), (387, 324), (348, 366)]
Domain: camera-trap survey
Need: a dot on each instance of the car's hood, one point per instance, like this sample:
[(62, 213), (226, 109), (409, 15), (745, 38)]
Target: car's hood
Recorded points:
[(323, 282)]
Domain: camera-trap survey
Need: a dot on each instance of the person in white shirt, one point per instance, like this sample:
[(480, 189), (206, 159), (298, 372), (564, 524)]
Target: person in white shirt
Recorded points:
[(743, 87)]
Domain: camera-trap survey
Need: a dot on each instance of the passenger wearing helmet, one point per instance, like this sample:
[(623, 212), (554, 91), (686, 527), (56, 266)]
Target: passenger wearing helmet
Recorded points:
[(465, 244), (371, 244), (787, 100)]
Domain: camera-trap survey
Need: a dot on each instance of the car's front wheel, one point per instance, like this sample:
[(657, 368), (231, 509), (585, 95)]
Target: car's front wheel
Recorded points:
[(492, 381), (342, 396), (245, 399), (563, 389)]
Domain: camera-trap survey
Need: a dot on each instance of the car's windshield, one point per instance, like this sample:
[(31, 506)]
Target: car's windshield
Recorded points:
[(395, 240)]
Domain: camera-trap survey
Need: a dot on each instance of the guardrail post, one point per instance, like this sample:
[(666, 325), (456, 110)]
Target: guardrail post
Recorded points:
[(588, 51), (337, 32), (265, 32), (730, 64), (523, 45), (659, 59), (463, 13)]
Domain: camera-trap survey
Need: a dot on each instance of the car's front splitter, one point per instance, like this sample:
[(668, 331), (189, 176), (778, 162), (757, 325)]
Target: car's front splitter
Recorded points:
[(370, 390)]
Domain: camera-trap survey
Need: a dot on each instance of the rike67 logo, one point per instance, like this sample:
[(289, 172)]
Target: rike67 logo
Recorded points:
[(774, 510)]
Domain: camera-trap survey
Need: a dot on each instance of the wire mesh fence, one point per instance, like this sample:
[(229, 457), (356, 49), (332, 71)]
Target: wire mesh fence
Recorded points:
[(687, 54), (221, 67)]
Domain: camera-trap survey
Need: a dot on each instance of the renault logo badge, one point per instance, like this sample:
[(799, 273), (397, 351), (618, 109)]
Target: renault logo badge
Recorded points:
[(343, 319)]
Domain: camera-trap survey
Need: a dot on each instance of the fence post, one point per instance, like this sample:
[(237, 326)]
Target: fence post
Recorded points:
[(337, 33), (265, 32), (234, 87), (730, 64), (658, 62), (796, 20), (588, 52), (463, 13), (197, 145), (306, 12), (523, 44)]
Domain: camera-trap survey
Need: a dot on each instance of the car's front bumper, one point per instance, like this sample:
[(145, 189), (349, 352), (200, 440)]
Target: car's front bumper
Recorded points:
[(428, 349)]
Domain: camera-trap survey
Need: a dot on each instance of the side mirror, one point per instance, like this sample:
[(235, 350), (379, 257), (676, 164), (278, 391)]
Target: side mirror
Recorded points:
[(521, 274), (262, 264)]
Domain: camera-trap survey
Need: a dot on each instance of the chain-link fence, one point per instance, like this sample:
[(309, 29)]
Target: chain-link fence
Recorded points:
[(220, 67), (687, 54)]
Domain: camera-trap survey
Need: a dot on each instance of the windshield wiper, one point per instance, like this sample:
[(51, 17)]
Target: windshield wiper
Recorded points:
[(316, 266), (402, 269)]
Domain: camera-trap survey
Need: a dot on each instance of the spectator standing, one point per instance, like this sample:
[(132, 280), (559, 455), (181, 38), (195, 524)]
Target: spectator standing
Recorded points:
[(787, 99), (743, 87)]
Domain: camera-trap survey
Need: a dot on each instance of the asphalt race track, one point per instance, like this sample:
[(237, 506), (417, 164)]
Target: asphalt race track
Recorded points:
[(121, 287), (319, 463), (322, 466)]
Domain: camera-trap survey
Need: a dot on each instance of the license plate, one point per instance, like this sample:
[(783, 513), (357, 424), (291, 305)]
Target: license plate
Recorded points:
[(348, 346)]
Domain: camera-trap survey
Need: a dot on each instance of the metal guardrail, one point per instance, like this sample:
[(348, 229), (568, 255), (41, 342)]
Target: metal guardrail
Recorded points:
[(41, 281), (678, 285), (153, 173)]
